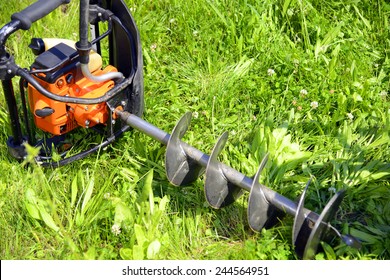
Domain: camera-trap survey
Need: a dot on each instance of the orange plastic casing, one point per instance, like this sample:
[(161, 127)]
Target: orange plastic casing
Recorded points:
[(68, 116)]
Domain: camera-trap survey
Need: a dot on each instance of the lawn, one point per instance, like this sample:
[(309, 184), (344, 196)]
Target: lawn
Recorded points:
[(306, 81)]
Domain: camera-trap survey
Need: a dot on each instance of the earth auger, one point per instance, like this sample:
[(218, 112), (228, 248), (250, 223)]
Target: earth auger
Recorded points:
[(68, 88)]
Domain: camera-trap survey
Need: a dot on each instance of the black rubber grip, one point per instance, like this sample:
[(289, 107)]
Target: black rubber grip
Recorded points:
[(36, 11)]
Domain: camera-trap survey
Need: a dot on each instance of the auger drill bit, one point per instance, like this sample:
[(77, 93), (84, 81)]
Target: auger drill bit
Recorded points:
[(223, 185)]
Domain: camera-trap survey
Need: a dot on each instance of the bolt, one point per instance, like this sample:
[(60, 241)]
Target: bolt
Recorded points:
[(60, 83), (9, 71), (86, 108), (113, 122), (99, 14), (123, 103), (87, 122)]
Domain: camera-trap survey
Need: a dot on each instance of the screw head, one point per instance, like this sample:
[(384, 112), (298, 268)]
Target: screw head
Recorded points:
[(60, 83)]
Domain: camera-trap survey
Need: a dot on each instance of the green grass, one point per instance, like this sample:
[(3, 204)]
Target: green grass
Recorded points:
[(306, 81)]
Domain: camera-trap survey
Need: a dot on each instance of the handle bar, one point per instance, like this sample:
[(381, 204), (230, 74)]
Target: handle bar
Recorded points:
[(36, 11)]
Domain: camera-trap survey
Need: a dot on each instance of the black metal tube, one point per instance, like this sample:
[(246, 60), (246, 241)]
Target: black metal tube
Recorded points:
[(13, 112), (83, 45), (96, 34), (84, 24), (5, 32), (6, 75), (30, 136)]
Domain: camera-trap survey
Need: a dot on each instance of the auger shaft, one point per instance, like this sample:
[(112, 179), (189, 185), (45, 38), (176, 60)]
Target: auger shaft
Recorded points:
[(224, 185), (279, 201)]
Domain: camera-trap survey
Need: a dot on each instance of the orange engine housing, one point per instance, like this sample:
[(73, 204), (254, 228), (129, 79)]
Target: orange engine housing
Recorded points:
[(59, 118)]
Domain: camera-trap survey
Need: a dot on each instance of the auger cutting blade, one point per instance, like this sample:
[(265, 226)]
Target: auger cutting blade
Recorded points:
[(304, 240), (321, 225), (302, 225), (180, 168), (219, 191), (299, 216), (261, 214)]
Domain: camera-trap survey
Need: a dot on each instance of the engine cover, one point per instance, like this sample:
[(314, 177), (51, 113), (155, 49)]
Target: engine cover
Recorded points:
[(62, 76)]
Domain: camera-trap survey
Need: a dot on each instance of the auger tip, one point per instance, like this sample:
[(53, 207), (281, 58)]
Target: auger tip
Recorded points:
[(351, 241)]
